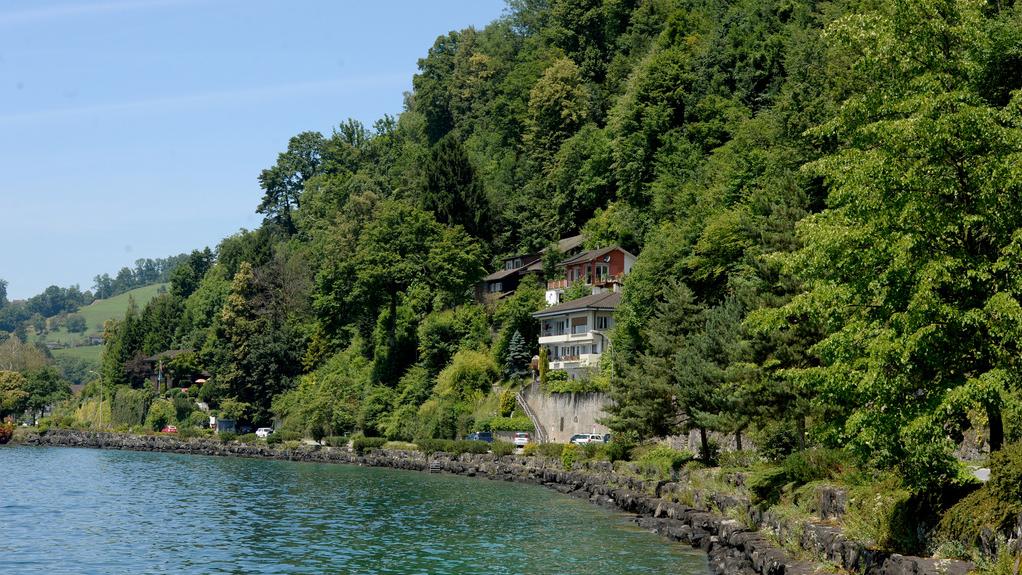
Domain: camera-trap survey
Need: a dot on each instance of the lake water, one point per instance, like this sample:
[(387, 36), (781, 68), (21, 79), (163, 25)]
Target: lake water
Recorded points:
[(91, 511)]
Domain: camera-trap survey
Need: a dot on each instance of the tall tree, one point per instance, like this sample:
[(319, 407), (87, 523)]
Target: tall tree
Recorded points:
[(284, 183)]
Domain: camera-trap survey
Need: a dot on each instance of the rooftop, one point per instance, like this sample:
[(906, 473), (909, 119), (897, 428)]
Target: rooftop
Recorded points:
[(592, 255), (607, 301)]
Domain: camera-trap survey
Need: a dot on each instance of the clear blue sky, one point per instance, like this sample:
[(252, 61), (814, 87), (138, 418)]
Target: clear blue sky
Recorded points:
[(136, 128)]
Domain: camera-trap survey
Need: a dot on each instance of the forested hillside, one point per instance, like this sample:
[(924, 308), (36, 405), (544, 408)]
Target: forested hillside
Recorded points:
[(824, 199)]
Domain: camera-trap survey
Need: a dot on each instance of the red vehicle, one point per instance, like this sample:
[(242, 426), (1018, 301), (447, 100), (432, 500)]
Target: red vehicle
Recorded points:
[(169, 429)]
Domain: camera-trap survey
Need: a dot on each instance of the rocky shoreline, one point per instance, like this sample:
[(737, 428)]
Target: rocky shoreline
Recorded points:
[(732, 547)]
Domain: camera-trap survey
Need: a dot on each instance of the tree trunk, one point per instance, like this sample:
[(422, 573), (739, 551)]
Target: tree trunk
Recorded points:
[(704, 440), (996, 427), (738, 439)]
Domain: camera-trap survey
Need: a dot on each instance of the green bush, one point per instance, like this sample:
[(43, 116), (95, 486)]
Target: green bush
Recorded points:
[(334, 440), (161, 414), (512, 424), (199, 419), (570, 453), (880, 513), (618, 451), (813, 464), (502, 448), (594, 450), (993, 507), (275, 438), (550, 449), (738, 459), (362, 444), (1006, 473), (227, 436), (661, 461), (248, 438), (455, 447), (766, 485)]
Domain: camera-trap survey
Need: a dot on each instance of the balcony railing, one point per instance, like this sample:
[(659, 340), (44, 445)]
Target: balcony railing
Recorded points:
[(579, 329), (553, 332), (557, 284)]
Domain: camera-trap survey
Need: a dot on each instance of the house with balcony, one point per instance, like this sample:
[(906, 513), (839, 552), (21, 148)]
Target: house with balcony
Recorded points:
[(525, 267), (576, 333), (602, 269)]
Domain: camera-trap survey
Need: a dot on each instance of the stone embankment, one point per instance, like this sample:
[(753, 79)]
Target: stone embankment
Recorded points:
[(732, 546)]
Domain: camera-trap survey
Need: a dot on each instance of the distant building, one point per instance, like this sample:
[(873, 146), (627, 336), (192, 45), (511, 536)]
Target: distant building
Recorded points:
[(576, 333)]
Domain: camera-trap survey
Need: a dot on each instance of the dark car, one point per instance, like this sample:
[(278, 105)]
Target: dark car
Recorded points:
[(480, 436)]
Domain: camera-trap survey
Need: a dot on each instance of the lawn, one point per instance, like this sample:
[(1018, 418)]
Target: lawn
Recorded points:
[(97, 313), (88, 353)]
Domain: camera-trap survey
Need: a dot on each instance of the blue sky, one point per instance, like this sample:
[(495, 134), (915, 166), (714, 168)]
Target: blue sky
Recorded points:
[(136, 128)]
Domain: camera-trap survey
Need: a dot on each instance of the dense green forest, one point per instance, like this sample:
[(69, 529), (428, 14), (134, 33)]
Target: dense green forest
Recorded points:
[(823, 197)]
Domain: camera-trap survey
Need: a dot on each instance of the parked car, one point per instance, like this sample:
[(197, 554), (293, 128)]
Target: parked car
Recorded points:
[(480, 436), (264, 432), (169, 429), (521, 439), (584, 438)]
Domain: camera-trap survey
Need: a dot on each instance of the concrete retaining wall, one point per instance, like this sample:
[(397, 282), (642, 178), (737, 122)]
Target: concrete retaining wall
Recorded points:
[(565, 414)]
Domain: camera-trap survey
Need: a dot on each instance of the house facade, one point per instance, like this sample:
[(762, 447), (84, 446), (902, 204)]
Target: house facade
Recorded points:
[(524, 267), (602, 269), (576, 333)]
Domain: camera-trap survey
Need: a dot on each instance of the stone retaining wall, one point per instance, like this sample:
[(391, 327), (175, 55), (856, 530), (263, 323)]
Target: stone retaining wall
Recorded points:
[(732, 547)]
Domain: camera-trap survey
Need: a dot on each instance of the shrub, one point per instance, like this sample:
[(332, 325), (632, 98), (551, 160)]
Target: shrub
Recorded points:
[(569, 455), (507, 402), (6, 432), (549, 449), (400, 446), (199, 419), (662, 461), (618, 450), (813, 464), (287, 435), (594, 450), (738, 459), (362, 444), (275, 439), (766, 484), (880, 513), (502, 448), (1006, 473), (512, 424), (993, 507), (227, 436), (455, 447), (248, 438), (333, 440), (530, 449), (161, 414)]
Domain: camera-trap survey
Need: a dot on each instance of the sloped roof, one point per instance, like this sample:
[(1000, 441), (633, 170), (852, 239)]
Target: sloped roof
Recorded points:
[(600, 301), (592, 255), (499, 275)]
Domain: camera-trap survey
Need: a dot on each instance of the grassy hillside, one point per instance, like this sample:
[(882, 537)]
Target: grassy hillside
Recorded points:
[(97, 313), (88, 353)]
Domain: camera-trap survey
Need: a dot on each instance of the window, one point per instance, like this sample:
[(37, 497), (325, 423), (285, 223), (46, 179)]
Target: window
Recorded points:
[(509, 265), (496, 287), (602, 322), (518, 263), (602, 272)]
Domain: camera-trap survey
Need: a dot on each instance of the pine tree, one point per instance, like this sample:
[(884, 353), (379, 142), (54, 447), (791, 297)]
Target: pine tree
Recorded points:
[(518, 357)]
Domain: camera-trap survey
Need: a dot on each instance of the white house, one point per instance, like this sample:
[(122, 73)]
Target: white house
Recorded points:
[(577, 333)]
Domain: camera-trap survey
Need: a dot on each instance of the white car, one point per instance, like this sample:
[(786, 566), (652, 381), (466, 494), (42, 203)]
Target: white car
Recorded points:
[(264, 432), (584, 438), (521, 439)]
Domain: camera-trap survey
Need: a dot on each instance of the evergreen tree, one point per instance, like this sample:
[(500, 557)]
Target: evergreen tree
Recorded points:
[(518, 357)]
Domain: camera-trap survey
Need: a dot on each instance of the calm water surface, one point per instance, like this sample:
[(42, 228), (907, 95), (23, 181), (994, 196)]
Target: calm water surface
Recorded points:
[(91, 511)]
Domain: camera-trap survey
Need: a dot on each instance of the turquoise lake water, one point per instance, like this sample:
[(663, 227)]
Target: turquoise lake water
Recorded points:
[(91, 511)]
